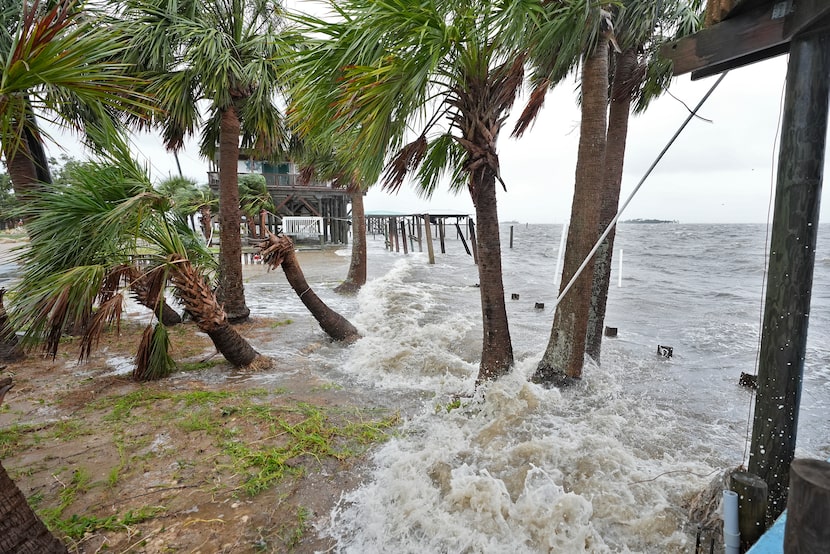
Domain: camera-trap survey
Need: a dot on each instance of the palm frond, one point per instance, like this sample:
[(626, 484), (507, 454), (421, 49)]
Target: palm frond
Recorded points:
[(153, 360), (107, 314)]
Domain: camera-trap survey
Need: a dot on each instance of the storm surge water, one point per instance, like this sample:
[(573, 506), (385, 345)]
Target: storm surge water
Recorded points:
[(610, 465)]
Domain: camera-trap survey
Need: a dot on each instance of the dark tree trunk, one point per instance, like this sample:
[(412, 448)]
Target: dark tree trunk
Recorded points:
[(26, 162), (231, 290), (279, 251), (21, 531), (356, 277), (200, 302), (141, 292), (565, 352), (10, 350), (205, 222), (614, 160), (497, 348)]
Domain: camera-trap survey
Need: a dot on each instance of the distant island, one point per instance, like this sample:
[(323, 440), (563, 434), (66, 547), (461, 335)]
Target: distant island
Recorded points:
[(649, 221)]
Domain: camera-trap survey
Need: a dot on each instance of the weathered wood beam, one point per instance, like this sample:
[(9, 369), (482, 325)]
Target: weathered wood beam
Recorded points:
[(748, 37), (791, 262)]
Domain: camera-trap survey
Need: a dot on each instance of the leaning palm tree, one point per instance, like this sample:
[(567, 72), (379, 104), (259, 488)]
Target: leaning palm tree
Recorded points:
[(278, 251), (79, 285), (450, 73), (224, 53)]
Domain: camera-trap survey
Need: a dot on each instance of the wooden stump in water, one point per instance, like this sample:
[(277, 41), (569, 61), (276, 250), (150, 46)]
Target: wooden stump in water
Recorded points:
[(752, 506), (808, 508)]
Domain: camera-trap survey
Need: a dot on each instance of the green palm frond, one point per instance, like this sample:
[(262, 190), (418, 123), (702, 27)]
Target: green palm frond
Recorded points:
[(55, 304), (64, 53), (84, 236), (153, 360)]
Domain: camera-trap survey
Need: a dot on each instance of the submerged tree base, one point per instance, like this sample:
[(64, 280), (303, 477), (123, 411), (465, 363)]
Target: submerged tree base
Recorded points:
[(550, 377)]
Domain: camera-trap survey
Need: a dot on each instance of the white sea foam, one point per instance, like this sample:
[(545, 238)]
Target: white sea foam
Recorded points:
[(411, 338), (519, 468)]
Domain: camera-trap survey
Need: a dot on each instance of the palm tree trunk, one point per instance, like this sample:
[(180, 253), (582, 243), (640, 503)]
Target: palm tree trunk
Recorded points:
[(231, 290), (21, 531), (497, 348), (279, 251), (200, 302), (565, 352), (141, 291), (618, 114), (356, 277), (205, 214)]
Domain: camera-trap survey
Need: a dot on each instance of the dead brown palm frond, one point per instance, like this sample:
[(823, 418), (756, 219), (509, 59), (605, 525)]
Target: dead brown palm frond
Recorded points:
[(407, 159), (307, 174), (6, 385), (153, 282), (508, 84), (532, 109), (631, 85), (113, 280), (274, 249), (108, 313), (153, 361), (58, 309)]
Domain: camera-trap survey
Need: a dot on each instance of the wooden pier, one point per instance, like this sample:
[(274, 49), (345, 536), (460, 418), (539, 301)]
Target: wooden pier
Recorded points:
[(405, 232)]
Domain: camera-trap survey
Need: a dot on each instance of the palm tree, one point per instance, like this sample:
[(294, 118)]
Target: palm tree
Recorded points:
[(639, 76), (447, 71), (278, 251), (254, 199), (323, 159), (77, 284), (201, 200), (562, 359), (60, 59), (226, 53)]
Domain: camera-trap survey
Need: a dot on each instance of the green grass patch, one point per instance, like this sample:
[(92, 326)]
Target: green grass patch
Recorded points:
[(282, 323), (200, 365), (77, 526), (299, 432)]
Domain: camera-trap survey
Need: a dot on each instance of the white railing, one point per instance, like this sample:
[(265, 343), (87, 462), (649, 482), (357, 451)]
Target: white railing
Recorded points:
[(302, 227)]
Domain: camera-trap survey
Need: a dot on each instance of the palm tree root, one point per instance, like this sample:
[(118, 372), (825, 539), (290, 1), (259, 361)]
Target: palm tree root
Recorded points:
[(550, 377)]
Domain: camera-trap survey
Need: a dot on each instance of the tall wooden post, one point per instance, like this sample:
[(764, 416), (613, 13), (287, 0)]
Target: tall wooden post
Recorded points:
[(403, 236), (441, 235), (428, 233), (420, 234), (473, 241), (792, 258)]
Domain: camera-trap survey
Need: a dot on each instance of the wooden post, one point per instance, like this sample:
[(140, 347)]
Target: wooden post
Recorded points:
[(752, 506), (420, 237), (393, 226), (808, 509), (473, 242), (428, 232), (463, 240), (441, 234), (403, 236), (511, 236), (791, 263)]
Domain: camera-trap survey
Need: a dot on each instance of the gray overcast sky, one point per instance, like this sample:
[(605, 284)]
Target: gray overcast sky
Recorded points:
[(715, 172)]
